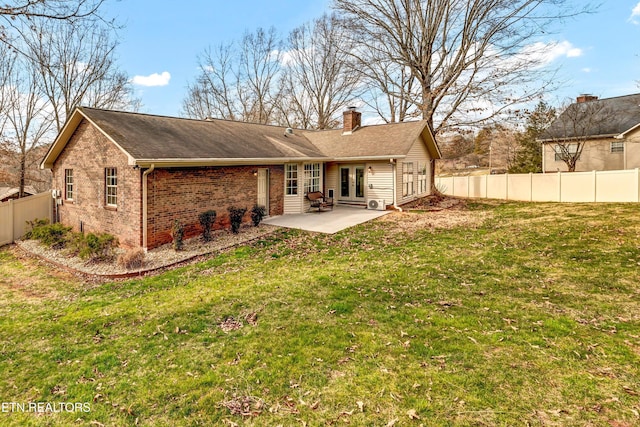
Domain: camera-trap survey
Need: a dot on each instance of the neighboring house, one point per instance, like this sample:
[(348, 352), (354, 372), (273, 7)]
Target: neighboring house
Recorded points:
[(607, 130), (132, 174), (8, 193)]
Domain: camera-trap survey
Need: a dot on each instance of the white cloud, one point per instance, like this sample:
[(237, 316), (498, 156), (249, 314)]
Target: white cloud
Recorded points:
[(545, 53), (586, 70), (154, 79), (635, 13)]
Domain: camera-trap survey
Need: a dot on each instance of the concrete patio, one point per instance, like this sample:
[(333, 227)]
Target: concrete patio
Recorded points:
[(329, 222)]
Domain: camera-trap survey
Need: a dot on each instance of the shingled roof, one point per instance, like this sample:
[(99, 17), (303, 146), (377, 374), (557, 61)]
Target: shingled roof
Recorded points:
[(597, 118), (171, 141), (378, 141)]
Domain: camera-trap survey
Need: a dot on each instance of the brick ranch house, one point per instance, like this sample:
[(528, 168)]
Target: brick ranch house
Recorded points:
[(132, 174)]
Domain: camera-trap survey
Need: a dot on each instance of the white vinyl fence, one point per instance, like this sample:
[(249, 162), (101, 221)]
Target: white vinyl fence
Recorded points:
[(15, 213), (596, 186)]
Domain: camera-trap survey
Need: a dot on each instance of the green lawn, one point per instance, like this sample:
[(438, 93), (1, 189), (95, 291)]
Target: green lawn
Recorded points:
[(530, 318)]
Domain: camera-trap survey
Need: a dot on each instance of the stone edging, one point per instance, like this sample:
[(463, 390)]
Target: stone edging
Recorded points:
[(140, 273)]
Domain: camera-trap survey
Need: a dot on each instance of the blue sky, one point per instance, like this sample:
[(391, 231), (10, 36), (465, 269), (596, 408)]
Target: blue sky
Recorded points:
[(597, 53)]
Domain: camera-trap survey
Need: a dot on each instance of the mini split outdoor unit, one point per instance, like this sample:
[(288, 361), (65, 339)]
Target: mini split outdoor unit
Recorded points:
[(376, 204)]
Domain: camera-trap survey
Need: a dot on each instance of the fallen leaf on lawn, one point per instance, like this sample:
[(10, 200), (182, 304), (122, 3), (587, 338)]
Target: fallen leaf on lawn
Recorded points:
[(252, 318), (392, 422), (412, 414), (360, 404)]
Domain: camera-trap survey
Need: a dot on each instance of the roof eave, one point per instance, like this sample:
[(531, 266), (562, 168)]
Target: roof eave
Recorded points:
[(575, 138), (61, 140), (386, 157), (176, 163), (67, 132), (432, 145), (626, 132)]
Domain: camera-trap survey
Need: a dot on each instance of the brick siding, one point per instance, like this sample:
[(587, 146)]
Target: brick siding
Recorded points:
[(88, 153), (184, 193), (174, 193)]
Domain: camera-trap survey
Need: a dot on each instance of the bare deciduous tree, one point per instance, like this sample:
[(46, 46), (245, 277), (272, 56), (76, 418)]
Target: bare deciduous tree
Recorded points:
[(238, 81), (470, 58), (77, 66), (50, 9), (27, 116), (318, 81), (577, 124), (214, 92), (259, 67), (57, 65)]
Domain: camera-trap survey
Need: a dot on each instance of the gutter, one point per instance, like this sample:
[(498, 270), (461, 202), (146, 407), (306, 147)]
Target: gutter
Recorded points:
[(167, 163), (177, 162), (144, 205), (578, 138)]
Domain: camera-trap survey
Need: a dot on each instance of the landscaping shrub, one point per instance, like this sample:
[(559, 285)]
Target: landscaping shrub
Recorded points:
[(257, 213), (177, 233), (132, 259), (207, 219), (51, 235), (235, 216), (97, 247)]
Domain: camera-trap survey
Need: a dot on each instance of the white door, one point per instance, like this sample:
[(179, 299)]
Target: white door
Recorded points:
[(263, 188)]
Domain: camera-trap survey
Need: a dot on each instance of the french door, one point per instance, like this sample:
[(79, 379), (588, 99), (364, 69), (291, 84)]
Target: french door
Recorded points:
[(352, 183)]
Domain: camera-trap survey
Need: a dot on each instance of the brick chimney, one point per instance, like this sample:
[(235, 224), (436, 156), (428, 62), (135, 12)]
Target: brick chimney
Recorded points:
[(351, 120), (586, 98)]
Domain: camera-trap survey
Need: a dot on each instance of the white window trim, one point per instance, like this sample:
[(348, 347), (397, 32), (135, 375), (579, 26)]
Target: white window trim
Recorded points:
[(408, 187), (68, 184), (312, 177), (289, 170), (108, 186), (619, 147)]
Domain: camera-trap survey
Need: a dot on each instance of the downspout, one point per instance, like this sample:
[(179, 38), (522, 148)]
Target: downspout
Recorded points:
[(144, 205), (394, 169)]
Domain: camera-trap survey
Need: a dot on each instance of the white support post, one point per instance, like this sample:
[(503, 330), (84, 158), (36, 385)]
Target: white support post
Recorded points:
[(595, 186)]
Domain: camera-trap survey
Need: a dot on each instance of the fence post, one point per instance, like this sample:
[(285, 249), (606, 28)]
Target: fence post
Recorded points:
[(12, 207), (637, 185), (559, 186), (468, 186), (531, 186), (506, 184)]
